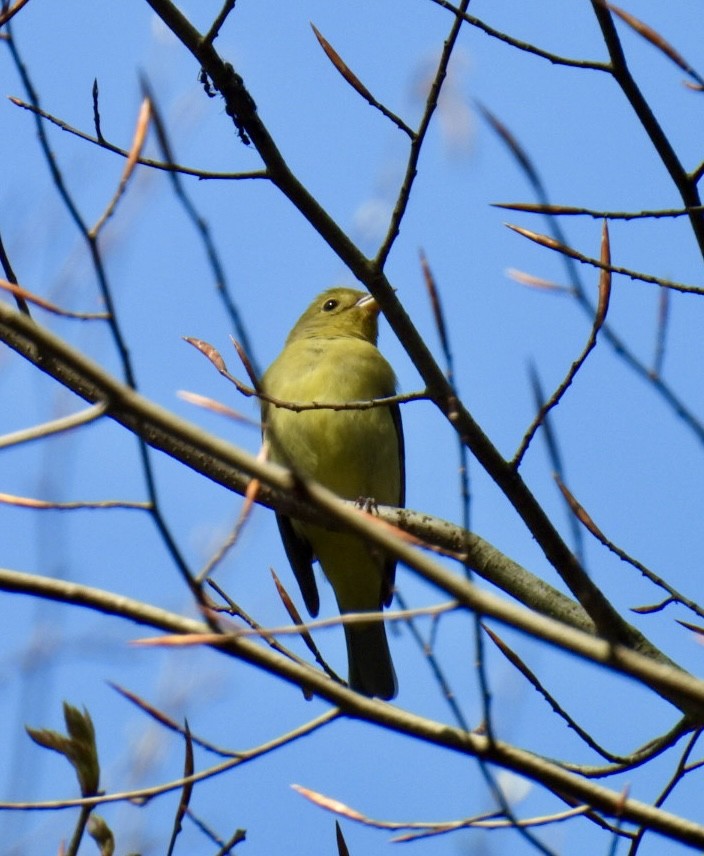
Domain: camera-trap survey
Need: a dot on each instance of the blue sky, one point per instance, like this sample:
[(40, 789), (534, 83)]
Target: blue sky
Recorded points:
[(629, 459)]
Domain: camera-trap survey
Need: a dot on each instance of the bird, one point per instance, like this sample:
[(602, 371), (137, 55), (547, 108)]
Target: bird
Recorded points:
[(330, 356)]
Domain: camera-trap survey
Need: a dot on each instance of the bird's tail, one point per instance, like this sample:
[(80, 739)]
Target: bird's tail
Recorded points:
[(371, 671)]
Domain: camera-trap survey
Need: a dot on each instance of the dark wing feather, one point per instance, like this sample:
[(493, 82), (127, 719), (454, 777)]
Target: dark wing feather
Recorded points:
[(300, 555), (387, 588)]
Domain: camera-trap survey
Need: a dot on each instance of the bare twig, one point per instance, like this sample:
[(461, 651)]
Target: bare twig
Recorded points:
[(623, 77), (655, 39), (220, 19), (586, 520), (599, 318), (198, 222), (357, 84), (44, 505), (577, 211), (20, 302), (6, 15), (517, 43), (22, 295), (663, 318), (537, 685), (552, 244), (100, 141), (140, 136), (56, 426), (417, 143), (426, 829)]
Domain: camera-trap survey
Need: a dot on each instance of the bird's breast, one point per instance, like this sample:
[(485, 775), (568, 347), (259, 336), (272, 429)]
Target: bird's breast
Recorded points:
[(354, 452)]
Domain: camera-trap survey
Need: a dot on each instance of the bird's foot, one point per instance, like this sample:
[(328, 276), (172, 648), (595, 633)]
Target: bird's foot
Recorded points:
[(368, 504)]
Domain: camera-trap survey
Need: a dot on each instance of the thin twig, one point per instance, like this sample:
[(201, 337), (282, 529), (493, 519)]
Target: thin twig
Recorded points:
[(661, 143), (220, 19), (10, 274), (12, 11), (655, 39), (678, 775), (642, 755), (140, 136), (56, 426), (557, 708), (553, 449), (357, 84), (521, 45), (587, 521), (578, 211), (150, 162), (22, 296), (431, 104), (198, 222), (45, 505), (552, 244), (598, 323), (661, 333)]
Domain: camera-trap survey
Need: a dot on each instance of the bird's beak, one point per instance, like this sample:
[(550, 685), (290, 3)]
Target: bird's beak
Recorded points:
[(368, 304)]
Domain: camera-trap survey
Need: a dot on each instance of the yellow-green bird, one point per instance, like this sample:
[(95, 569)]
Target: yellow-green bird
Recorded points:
[(330, 356)]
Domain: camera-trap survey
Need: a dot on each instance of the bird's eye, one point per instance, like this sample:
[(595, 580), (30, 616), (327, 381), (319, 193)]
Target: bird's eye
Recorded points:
[(329, 305)]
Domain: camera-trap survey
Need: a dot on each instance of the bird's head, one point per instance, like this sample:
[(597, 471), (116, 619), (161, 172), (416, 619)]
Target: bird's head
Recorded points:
[(339, 313)]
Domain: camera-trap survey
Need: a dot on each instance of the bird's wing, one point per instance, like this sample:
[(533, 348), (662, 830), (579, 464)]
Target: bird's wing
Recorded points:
[(387, 586), (300, 555)]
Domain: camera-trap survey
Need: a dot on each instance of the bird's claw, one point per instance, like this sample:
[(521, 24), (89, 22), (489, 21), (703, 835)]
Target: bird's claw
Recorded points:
[(368, 504)]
